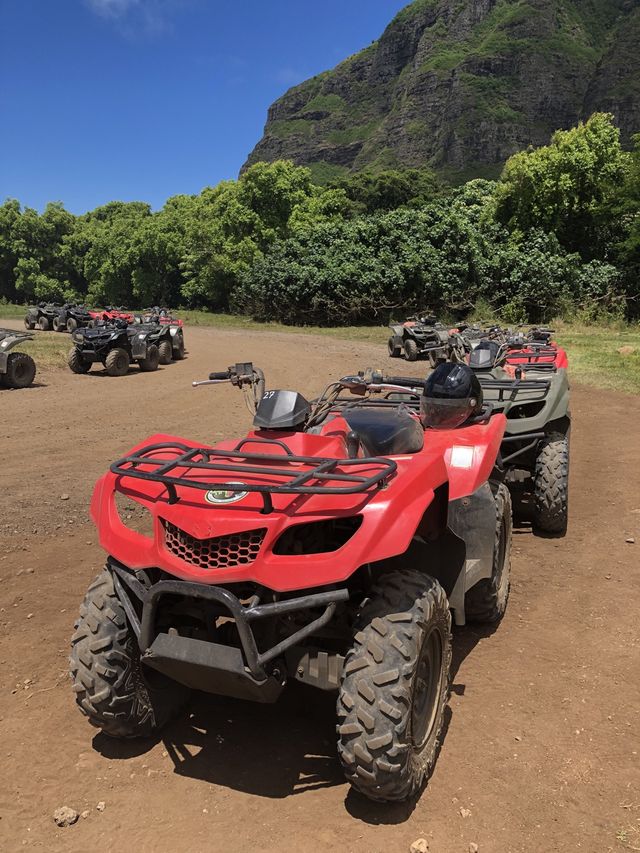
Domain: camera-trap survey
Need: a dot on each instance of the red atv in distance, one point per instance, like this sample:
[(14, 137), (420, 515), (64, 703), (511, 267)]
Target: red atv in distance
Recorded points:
[(535, 347), (330, 545), (107, 314)]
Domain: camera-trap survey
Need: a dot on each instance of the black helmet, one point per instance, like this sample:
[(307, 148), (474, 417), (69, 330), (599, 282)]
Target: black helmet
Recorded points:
[(452, 395)]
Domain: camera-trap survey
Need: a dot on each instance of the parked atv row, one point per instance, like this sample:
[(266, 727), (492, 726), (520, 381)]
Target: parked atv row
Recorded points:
[(527, 380), (422, 335), (48, 316), (118, 344), (60, 318), (17, 369), (531, 387)]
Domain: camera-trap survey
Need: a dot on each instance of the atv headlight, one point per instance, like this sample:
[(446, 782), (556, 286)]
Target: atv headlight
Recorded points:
[(134, 516)]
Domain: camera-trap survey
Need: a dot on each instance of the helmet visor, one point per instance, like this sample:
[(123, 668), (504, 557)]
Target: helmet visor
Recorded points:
[(438, 413)]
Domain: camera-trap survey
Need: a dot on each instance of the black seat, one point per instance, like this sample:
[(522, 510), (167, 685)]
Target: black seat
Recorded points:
[(385, 432)]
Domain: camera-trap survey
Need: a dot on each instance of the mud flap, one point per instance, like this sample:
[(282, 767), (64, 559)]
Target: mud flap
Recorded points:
[(473, 520), (139, 346)]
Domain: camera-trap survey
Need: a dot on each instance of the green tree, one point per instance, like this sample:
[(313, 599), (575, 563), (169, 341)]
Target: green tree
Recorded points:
[(389, 189), (565, 187)]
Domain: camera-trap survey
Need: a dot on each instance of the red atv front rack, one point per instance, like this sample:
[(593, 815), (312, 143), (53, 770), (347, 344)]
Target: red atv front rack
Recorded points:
[(318, 478)]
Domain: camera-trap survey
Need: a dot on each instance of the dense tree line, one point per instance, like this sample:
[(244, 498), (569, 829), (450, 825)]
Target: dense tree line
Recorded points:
[(559, 231)]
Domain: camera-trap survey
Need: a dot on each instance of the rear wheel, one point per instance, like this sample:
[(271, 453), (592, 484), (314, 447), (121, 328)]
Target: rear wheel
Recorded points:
[(72, 324), (487, 600), (411, 350), (21, 370), (113, 688), (394, 350), (58, 326), (551, 485), (395, 687), (117, 362), (77, 363), (43, 324), (150, 363), (165, 352), (29, 323)]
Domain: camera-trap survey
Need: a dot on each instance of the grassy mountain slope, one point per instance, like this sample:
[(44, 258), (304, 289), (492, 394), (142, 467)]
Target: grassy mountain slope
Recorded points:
[(460, 85)]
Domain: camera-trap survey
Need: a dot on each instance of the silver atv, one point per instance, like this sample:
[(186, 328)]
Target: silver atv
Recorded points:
[(17, 369)]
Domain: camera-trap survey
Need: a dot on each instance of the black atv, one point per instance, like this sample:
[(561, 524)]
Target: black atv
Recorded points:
[(71, 317), (169, 338), (422, 335), (41, 316), (17, 369), (115, 345)]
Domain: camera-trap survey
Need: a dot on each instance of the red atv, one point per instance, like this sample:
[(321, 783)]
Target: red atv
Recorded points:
[(329, 546), (535, 347)]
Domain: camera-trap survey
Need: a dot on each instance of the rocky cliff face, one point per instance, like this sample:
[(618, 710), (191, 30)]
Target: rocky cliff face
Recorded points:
[(460, 85)]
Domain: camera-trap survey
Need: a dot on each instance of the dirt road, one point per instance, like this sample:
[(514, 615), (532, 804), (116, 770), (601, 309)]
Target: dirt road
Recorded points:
[(542, 746)]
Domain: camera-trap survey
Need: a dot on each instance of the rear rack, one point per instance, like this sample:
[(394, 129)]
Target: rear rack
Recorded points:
[(515, 386), (238, 463), (530, 357)]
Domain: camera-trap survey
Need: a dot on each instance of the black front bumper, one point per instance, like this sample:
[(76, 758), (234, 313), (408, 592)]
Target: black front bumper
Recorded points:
[(245, 672)]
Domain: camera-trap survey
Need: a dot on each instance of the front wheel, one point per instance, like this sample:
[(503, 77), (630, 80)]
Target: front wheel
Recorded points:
[(113, 688), (411, 350), (395, 687), (77, 364), (58, 325), (165, 352), (551, 485), (21, 370), (117, 362), (151, 362), (72, 325), (43, 324)]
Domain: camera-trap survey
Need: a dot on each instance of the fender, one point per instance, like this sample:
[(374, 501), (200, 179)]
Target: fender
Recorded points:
[(139, 344), (471, 460), (7, 344)]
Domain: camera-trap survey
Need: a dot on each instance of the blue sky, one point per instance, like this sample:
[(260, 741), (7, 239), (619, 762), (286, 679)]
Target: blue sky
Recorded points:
[(144, 99)]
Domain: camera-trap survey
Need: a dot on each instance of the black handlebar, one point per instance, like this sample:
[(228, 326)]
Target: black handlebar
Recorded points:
[(405, 381), (220, 375)]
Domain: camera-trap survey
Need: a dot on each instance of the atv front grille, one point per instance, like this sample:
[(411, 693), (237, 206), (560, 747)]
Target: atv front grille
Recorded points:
[(220, 552)]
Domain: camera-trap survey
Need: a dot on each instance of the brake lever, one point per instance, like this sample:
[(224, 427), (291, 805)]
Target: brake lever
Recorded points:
[(210, 382)]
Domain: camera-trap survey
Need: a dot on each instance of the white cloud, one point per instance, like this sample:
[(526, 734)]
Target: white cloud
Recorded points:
[(135, 18), (112, 8)]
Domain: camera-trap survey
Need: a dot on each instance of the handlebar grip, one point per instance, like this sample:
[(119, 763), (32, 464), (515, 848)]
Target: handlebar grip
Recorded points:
[(219, 375), (407, 381)]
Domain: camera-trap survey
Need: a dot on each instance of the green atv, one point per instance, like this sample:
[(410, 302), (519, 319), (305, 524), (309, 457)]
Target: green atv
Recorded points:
[(534, 396)]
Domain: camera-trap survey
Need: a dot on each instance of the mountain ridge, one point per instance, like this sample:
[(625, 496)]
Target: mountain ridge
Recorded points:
[(460, 86)]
